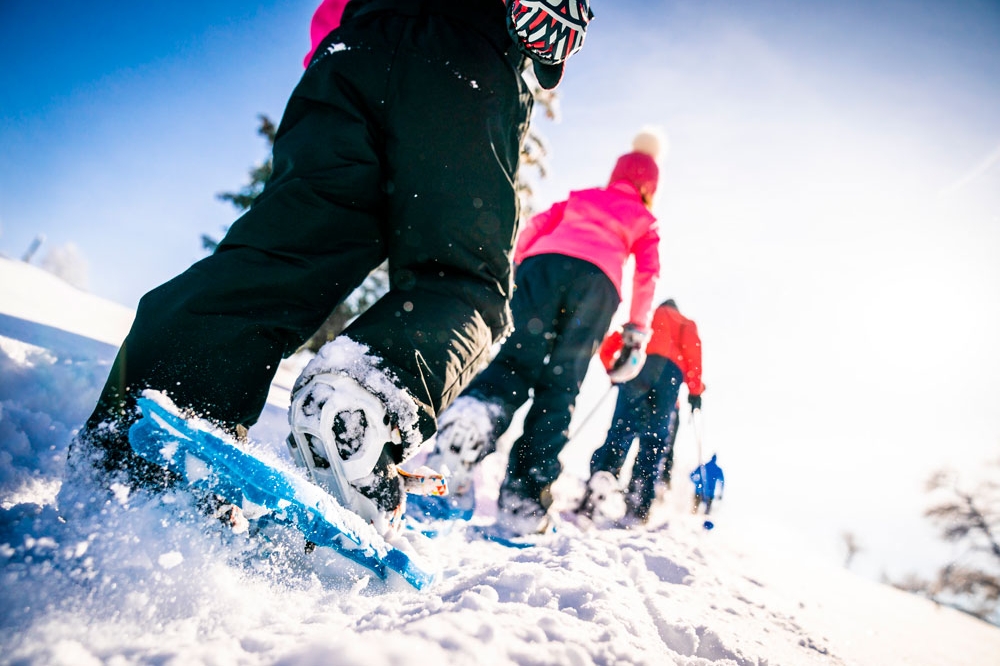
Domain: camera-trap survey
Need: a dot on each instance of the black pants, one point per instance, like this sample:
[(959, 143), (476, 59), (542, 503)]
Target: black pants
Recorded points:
[(562, 310), (646, 409), (401, 142)]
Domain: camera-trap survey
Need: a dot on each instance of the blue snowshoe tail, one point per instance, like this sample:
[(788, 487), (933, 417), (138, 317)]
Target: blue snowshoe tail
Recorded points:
[(434, 516), (425, 508), (503, 537), (207, 461)]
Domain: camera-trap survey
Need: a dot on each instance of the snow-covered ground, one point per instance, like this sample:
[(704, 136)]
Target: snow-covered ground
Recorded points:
[(146, 584)]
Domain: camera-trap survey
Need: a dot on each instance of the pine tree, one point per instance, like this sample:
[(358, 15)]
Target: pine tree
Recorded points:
[(259, 174), (969, 517)]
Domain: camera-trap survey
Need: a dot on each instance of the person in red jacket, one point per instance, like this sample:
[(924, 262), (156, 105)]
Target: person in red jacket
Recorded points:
[(647, 409)]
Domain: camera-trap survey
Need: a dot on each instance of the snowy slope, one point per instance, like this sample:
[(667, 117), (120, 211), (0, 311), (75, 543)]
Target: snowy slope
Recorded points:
[(147, 583), (31, 294)]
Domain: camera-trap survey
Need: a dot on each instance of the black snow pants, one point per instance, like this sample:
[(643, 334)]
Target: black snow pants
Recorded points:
[(562, 310), (400, 142), (647, 409)]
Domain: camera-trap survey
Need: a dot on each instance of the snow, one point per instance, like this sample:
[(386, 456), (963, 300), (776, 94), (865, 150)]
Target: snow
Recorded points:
[(353, 359), (150, 581), (51, 301)]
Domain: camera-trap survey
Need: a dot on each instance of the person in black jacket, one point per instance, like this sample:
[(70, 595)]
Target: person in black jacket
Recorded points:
[(400, 142)]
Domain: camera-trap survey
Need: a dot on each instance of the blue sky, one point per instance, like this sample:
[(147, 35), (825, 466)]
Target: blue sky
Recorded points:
[(126, 122), (830, 205)]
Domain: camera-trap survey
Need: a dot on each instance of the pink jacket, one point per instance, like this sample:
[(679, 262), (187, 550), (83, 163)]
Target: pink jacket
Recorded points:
[(603, 226)]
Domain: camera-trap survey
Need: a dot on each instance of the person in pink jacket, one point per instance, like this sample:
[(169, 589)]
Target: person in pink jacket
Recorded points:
[(568, 287)]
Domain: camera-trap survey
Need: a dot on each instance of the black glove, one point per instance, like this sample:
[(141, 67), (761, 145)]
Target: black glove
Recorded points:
[(694, 401)]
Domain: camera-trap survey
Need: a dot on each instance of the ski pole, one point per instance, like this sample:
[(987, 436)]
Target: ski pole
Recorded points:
[(593, 411), (696, 427), (703, 495)]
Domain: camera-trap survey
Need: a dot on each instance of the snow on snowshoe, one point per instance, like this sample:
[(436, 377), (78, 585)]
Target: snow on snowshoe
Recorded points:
[(342, 435), (211, 462), (465, 436)]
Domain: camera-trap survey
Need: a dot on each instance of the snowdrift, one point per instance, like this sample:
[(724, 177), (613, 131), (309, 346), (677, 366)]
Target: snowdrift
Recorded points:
[(150, 581)]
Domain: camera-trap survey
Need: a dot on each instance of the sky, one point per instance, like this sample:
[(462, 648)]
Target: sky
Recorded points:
[(830, 210), (150, 580)]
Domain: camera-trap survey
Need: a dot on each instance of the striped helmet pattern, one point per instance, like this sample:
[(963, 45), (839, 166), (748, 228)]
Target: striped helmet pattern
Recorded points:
[(549, 31)]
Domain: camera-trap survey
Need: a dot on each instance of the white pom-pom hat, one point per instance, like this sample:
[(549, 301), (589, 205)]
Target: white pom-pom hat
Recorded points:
[(639, 167)]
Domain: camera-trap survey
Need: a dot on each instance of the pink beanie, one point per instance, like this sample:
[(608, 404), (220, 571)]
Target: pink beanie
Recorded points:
[(639, 167)]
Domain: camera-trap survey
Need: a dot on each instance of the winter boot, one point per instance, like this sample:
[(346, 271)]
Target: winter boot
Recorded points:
[(636, 513), (100, 464), (344, 437), (602, 500), (519, 514), (639, 498), (466, 434)]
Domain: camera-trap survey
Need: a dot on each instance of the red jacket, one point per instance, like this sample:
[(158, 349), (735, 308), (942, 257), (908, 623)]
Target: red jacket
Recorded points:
[(674, 337)]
